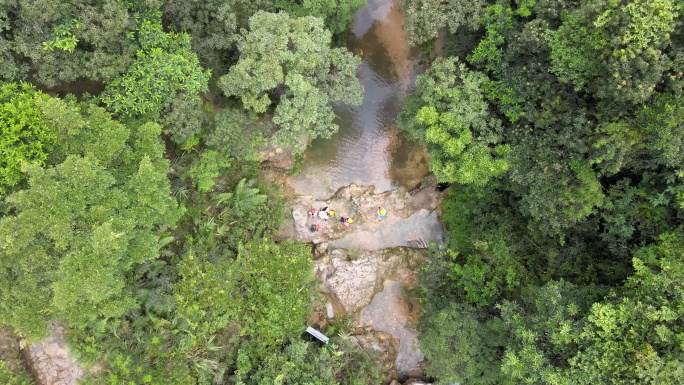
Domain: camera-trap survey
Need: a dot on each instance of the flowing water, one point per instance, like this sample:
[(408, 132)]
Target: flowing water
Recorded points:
[(369, 149)]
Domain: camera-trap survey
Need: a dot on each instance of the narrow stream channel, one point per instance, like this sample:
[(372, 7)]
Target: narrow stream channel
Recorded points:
[(367, 269), (369, 149)]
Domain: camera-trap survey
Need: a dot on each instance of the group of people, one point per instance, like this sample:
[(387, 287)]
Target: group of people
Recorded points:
[(326, 213)]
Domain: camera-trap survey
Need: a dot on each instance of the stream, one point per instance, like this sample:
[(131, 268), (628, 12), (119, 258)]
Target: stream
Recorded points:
[(367, 270), (369, 149)]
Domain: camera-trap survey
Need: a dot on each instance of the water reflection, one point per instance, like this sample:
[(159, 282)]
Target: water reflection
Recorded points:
[(368, 149)]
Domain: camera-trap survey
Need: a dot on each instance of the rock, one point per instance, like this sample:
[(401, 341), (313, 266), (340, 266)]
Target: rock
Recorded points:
[(61, 362), (52, 349), (385, 346), (278, 159), (352, 278), (417, 230), (299, 217), (322, 248), (415, 381), (352, 262), (352, 283), (389, 312), (51, 361)]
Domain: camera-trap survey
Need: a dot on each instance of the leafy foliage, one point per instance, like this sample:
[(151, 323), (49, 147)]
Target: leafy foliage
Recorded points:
[(64, 37), (586, 96), (184, 119), (337, 15), (9, 378), (213, 25), (455, 349), (289, 62), (164, 66), (425, 18), (454, 123), (60, 42), (304, 363), (235, 135), (26, 138), (209, 167), (635, 335), (627, 67), (84, 224)]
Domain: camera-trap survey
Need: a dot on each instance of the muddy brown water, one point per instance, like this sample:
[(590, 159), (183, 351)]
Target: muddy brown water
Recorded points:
[(369, 149)]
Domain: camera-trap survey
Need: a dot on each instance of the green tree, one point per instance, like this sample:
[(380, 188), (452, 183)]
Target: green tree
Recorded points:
[(213, 26), (556, 196), (338, 15), (65, 41), (207, 169), (614, 48), (235, 135), (289, 62), (650, 139), (587, 98), (25, 138), (456, 348), (184, 119), (96, 135), (636, 336), (263, 294), (278, 277), (425, 18), (450, 115), (80, 227), (164, 67), (544, 330)]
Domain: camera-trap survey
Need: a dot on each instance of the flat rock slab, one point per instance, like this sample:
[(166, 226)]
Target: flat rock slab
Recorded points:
[(389, 312), (411, 219), (351, 279), (418, 230)]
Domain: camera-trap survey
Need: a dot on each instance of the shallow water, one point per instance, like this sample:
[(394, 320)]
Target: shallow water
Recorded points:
[(390, 312), (369, 149)]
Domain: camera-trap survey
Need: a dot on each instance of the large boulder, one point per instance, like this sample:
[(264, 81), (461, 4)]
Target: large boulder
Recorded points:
[(351, 278), (52, 362)]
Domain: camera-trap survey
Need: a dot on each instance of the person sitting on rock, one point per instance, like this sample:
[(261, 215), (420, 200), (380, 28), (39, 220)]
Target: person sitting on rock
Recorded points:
[(346, 221), (314, 228), (312, 212), (324, 213), (381, 213)]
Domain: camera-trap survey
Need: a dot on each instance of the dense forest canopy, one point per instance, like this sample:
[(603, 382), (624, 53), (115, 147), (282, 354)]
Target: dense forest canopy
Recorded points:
[(564, 259), (131, 201), (131, 208)]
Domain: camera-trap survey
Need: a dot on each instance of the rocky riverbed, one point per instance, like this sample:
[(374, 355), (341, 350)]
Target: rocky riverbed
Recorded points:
[(366, 270), (51, 361)]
